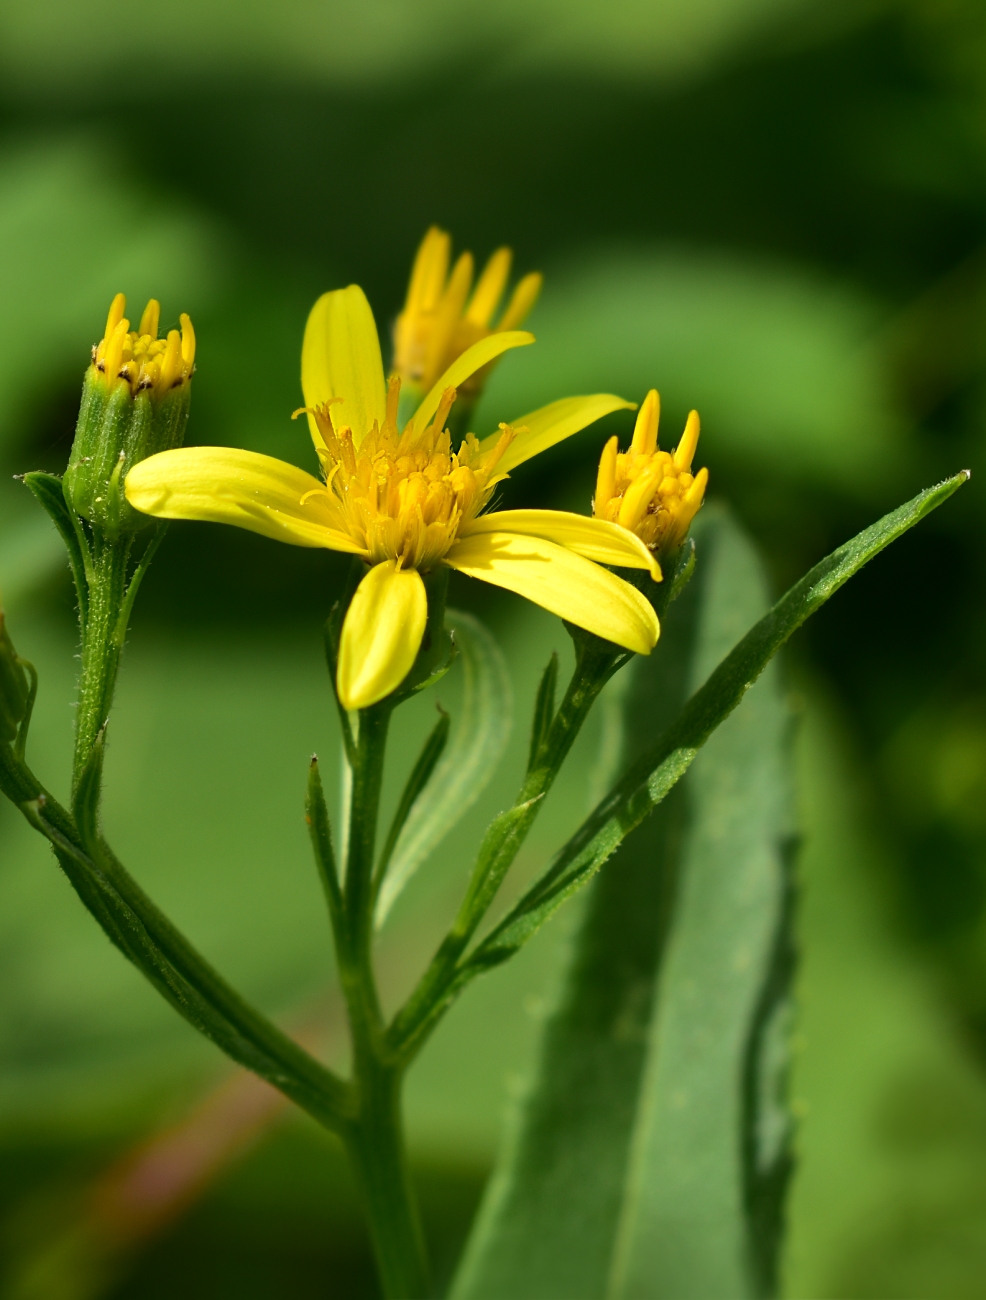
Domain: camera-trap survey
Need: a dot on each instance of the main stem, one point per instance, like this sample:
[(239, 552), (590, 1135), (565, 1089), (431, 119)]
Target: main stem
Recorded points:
[(375, 1140), (100, 645)]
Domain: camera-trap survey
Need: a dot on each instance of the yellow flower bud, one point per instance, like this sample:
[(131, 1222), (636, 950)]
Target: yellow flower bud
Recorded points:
[(652, 493), (135, 399)]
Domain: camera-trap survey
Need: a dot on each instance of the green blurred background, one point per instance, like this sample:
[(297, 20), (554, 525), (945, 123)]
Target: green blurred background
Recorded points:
[(772, 210)]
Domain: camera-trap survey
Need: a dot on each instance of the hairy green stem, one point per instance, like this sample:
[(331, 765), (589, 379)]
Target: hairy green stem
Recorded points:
[(102, 644)]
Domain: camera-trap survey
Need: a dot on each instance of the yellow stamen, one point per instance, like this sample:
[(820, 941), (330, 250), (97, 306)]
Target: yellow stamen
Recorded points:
[(404, 497), (393, 399)]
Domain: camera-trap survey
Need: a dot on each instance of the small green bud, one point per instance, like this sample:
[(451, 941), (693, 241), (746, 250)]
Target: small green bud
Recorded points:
[(15, 691), (135, 399)]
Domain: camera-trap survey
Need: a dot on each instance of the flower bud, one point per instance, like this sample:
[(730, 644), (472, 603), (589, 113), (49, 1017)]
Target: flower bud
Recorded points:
[(652, 493), (135, 400), (14, 689)]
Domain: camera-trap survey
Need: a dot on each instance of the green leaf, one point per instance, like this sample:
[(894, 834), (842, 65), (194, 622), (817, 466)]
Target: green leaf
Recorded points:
[(320, 832), (635, 1165), (544, 709), (651, 778), (86, 797), (47, 490), (476, 746)]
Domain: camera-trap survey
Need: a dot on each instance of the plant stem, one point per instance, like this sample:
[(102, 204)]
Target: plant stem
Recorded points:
[(376, 1147), (101, 645), (375, 1139)]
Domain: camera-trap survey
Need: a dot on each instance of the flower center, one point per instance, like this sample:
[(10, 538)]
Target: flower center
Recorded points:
[(146, 362), (404, 496)]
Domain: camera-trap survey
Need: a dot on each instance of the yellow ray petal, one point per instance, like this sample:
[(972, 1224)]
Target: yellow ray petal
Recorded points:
[(522, 301), (562, 582), (596, 539), (381, 634), (553, 423), (467, 364), (490, 287), (227, 486), (340, 358), (429, 272)]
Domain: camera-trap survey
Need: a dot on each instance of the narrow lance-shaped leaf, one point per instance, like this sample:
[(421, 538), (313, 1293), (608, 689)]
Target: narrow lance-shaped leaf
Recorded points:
[(651, 778), (47, 489), (476, 745), (544, 709)]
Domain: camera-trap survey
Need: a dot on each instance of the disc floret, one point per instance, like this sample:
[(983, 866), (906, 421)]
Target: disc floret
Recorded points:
[(404, 496)]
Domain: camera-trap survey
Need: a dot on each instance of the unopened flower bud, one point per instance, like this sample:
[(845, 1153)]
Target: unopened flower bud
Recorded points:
[(135, 400), (652, 493), (14, 688)]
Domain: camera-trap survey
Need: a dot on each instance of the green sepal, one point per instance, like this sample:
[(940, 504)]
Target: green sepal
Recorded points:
[(48, 490), (116, 429), (544, 709)]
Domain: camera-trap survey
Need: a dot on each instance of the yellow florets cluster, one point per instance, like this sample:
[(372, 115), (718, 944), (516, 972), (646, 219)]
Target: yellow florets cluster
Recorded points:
[(651, 492), (404, 496), (146, 362), (437, 326)]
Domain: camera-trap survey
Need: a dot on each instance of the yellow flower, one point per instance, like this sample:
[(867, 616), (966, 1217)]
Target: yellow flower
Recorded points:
[(653, 493), (436, 325), (405, 502)]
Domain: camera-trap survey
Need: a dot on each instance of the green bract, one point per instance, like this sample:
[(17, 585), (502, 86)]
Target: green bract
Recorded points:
[(14, 688)]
